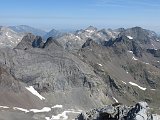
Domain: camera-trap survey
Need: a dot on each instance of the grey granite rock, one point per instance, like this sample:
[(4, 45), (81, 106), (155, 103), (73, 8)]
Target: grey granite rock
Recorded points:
[(120, 112)]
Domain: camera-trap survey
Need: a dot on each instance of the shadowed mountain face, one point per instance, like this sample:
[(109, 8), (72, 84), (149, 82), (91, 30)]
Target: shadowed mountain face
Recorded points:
[(83, 70)]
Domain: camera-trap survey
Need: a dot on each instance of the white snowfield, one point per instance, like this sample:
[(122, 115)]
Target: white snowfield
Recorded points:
[(34, 92), (134, 84), (129, 37), (21, 109), (45, 109), (63, 115), (58, 106), (5, 107)]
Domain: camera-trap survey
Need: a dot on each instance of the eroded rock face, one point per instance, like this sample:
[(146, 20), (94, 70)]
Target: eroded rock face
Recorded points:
[(154, 52), (120, 112)]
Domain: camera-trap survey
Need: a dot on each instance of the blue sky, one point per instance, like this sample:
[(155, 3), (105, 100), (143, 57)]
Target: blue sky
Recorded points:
[(75, 14)]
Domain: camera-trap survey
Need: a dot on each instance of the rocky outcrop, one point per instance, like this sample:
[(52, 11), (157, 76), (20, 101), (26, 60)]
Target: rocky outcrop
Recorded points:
[(123, 43), (8, 82), (120, 112), (155, 53), (52, 44), (88, 43)]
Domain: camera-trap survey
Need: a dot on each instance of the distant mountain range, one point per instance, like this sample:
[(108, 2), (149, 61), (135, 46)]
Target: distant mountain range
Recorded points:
[(58, 75), (28, 29), (53, 33)]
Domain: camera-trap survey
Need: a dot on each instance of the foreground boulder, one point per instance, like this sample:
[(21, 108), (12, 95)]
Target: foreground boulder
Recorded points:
[(120, 112)]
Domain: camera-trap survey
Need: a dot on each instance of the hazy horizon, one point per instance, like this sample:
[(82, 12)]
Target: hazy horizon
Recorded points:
[(71, 14)]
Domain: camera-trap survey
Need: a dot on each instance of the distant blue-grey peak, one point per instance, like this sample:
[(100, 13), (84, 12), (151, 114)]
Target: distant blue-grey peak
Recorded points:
[(28, 29)]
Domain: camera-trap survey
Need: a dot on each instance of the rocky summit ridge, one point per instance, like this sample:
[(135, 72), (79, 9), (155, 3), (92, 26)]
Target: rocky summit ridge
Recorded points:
[(117, 111)]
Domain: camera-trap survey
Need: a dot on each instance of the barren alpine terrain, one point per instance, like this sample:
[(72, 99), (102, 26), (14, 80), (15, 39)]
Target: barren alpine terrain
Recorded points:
[(69, 74)]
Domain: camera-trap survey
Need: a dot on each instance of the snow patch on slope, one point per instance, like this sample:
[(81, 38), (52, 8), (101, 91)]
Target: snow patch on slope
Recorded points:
[(21, 109), (130, 52), (5, 107), (58, 106), (115, 99), (134, 84), (9, 37), (124, 82), (100, 64), (129, 37), (134, 58), (34, 92), (45, 109), (63, 115)]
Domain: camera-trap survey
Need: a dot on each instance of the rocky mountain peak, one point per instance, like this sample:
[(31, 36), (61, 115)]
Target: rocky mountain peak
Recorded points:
[(120, 30), (53, 33), (52, 44), (91, 28), (30, 41)]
